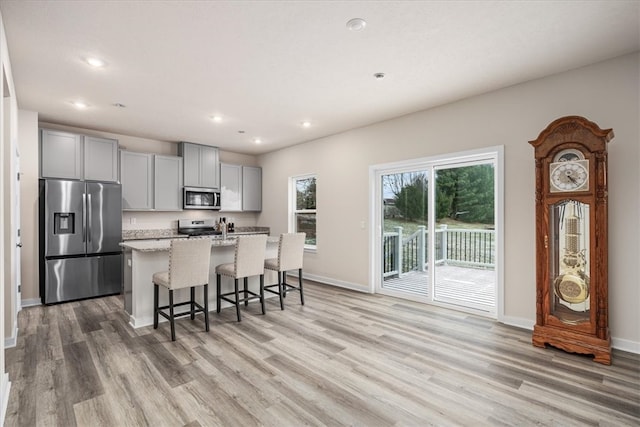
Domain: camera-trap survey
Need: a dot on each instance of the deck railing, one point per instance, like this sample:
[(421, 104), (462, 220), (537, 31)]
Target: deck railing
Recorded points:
[(463, 247)]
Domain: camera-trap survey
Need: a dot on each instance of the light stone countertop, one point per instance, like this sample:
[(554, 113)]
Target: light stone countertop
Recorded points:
[(163, 244), (129, 235)]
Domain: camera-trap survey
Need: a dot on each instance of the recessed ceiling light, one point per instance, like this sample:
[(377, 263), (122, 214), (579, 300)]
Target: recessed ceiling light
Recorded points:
[(257, 140), (379, 76), (306, 124), (216, 118), (95, 62), (81, 105), (356, 24)]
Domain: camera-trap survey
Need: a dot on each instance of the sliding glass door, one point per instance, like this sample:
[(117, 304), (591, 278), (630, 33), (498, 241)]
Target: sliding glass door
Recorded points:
[(464, 271), (405, 224), (437, 240)]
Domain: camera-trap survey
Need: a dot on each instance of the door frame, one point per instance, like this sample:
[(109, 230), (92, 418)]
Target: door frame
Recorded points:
[(427, 163)]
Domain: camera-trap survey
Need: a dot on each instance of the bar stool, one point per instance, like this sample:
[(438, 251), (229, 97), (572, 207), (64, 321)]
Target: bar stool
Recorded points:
[(290, 255), (189, 261), (248, 261)]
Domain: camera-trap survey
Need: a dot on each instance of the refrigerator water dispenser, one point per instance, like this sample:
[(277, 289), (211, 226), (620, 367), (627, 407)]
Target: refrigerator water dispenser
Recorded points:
[(63, 223)]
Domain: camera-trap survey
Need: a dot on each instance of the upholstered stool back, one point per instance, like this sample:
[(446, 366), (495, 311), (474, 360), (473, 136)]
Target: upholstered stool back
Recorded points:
[(290, 251), (189, 262), (290, 257), (249, 255)]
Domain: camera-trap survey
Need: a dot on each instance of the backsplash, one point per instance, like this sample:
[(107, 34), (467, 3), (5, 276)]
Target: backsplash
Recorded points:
[(141, 220)]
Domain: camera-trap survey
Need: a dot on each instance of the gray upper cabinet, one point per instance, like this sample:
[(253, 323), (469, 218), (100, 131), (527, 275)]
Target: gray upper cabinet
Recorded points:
[(168, 183), (100, 159), (200, 165), (230, 187), (150, 181), (251, 189), (136, 177), (60, 154), (72, 156), (240, 188)]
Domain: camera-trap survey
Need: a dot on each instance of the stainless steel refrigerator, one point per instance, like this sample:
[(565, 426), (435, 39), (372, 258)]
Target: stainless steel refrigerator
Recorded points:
[(80, 234)]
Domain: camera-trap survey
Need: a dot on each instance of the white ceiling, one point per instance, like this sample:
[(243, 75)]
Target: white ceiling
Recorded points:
[(265, 66)]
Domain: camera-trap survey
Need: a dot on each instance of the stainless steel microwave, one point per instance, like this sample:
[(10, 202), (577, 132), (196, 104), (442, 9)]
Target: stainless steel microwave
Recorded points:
[(201, 198)]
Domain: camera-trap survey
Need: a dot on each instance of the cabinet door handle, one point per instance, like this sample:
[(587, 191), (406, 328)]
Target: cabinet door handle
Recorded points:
[(546, 241)]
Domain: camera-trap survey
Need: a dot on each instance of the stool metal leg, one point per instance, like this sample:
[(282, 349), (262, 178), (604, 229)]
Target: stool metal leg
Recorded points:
[(235, 281), (218, 293), (246, 291), (171, 317), (284, 284), (262, 293), (300, 285), (280, 290), (155, 306), (193, 300), (206, 307)]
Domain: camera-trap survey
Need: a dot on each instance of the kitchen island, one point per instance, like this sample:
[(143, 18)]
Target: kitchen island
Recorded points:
[(143, 258)]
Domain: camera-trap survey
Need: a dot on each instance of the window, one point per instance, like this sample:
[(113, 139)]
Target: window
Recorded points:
[(302, 200)]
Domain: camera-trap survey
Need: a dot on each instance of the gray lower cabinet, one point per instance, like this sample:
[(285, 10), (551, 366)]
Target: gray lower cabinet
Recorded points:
[(136, 177), (127, 280), (167, 183), (68, 155), (251, 189), (240, 188), (200, 165)]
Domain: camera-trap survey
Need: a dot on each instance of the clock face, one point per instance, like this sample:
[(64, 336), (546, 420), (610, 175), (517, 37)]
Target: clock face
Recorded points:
[(572, 175)]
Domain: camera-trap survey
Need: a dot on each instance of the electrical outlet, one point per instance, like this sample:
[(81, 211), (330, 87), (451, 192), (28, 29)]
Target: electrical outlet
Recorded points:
[(132, 220)]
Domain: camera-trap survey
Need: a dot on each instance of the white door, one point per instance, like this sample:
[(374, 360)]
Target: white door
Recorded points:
[(16, 208)]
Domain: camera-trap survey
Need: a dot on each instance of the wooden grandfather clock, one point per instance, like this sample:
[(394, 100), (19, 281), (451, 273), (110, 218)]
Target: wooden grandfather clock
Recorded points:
[(571, 238)]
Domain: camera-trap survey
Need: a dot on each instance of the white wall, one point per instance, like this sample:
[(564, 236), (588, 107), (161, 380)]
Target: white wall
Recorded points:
[(606, 93)]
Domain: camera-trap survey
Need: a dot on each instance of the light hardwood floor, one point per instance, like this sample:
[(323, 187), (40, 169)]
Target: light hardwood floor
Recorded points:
[(344, 358)]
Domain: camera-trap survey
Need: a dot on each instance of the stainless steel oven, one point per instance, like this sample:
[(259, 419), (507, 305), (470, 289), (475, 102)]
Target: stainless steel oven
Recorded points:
[(201, 198)]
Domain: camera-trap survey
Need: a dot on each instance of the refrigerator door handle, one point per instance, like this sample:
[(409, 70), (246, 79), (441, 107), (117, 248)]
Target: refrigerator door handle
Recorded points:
[(84, 217), (89, 218)]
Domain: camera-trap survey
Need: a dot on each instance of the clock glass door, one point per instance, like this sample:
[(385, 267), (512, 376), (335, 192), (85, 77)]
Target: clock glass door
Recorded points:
[(569, 261)]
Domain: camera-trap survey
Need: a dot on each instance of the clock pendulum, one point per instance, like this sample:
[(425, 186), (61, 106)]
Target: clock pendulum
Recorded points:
[(572, 285)]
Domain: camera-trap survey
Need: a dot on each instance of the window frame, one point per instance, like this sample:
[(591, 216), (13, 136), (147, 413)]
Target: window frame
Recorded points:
[(293, 211)]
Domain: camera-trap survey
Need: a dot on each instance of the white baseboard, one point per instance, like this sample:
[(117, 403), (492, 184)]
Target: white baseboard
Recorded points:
[(339, 283), (625, 345), (31, 302), (518, 322), (13, 339), (5, 388)]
